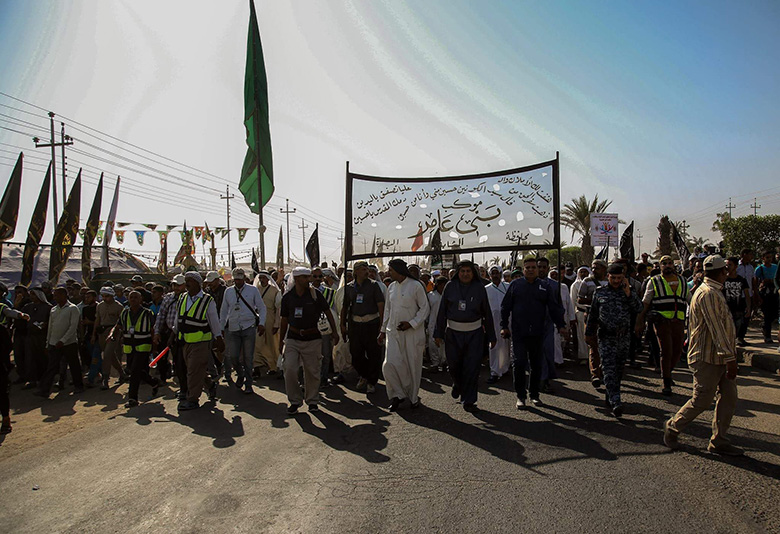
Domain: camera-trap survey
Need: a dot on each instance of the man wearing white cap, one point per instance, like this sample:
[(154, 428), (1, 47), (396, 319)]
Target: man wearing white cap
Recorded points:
[(197, 325), (500, 354), (712, 354), (163, 332), (106, 316), (301, 341), (267, 344), (214, 285), (242, 316)]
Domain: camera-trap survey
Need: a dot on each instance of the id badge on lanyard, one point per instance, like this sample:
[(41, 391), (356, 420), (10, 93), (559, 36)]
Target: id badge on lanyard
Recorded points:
[(359, 298), (461, 305), (298, 314)]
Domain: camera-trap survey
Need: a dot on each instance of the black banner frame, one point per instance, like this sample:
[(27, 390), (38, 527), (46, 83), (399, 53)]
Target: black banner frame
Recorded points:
[(555, 245)]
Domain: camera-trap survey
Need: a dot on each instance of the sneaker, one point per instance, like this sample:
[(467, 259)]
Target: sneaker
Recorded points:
[(596, 381), (536, 402), (314, 407), (520, 404), (670, 437), (338, 379), (293, 409), (493, 379), (727, 450), (370, 388), (362, 385), (395, 402), (131, 403), (455, 391), (617, 411)]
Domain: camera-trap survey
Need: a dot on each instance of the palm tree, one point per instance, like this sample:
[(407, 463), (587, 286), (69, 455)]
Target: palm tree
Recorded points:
[(576, 216)]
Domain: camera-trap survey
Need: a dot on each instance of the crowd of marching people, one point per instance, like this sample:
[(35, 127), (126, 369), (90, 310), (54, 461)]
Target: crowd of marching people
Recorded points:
[(320, 327)]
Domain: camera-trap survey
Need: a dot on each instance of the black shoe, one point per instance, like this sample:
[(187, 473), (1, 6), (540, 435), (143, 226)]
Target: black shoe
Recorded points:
[(248, 389), (537, 401), (239, 382), (213, 391), (271, 372), (395, 402), (415, 405), (617, 411), (131, 403), (40, 393), (547, 388), (293, 409), (188, 405), (492, 380), (29, 385), (596, 381), (78, 390), (338, 379), (455, 391), (742, 343), (666, 391), (5, 429), (155, 389), (471, 407), (314, 408), (181, 395)]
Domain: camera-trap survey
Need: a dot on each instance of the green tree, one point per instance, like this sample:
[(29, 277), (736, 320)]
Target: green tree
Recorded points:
[(572, 254), (664, 237), (757, 232), (576, 216)]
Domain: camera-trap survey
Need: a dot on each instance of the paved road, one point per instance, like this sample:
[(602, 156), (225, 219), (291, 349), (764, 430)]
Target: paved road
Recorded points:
[(243, 466)]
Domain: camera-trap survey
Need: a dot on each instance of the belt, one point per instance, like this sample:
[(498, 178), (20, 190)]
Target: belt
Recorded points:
[(463, 327), (304, 332), (365, 318)]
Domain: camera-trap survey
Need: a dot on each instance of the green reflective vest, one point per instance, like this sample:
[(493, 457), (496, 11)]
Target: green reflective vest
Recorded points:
[(193, 325), (4, 321), (670, 304), (138, 336)]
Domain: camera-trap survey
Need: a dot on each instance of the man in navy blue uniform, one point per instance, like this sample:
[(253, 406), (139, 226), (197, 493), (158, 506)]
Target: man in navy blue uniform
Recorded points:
[(528, 301)]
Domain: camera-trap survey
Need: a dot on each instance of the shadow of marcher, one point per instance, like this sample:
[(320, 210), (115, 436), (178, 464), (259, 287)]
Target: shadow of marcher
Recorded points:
[(364, 440), (494, 443)]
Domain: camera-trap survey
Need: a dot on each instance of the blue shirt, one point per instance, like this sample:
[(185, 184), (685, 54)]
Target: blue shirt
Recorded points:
[(766, 273), (529, 304)]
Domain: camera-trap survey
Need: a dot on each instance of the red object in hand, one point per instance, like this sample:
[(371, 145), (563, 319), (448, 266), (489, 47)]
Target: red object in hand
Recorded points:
[(159, 357)]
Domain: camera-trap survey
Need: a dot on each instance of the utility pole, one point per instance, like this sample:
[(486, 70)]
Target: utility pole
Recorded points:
[(287, 211), (303, 228), (63, 139), (755, 207), (227, 198), (53, 144), (639, 238), (730, 206), (684, 228)]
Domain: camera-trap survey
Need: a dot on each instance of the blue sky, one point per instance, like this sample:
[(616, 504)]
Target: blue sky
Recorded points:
[(663, 107)]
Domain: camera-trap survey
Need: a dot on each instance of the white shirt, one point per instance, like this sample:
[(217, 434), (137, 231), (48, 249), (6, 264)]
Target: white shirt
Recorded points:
[(235, 315), (407, 302), (748, 272), (496, 294)]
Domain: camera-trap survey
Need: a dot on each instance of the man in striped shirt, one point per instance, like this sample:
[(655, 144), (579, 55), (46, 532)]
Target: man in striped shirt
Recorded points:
[(712, 356)]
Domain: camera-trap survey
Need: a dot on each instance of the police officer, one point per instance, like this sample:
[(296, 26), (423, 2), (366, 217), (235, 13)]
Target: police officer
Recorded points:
[(609, 328), (135, 326), (463, 323), (667, 296), (197, 325), (361, 319)]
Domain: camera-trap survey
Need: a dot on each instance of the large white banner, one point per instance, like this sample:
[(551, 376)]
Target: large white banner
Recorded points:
[(496, 211), (604, 230)]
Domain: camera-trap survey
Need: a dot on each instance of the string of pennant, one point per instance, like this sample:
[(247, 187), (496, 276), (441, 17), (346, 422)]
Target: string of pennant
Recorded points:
[(200, 232)]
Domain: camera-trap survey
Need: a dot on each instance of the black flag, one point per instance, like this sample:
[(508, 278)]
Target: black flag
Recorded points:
[(232, 260), (67, 228), (603, 254), (9, 205), (255, 267), (280, 251), (627, 244), (35, 233), (313, 247), (436, 258), (682, 248), (90, 231), (513, 256)]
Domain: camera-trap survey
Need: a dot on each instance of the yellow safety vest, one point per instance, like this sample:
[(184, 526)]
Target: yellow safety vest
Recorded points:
[(668, 303), (193, 325), (138, 337)]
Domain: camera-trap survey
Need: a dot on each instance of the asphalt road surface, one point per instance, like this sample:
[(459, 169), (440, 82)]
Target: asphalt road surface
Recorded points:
[(243, 465)]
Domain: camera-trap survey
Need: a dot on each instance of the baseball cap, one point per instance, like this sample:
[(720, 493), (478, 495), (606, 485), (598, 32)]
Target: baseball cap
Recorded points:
[(179, 279), (213, 275), (714, 262), (137, 278)]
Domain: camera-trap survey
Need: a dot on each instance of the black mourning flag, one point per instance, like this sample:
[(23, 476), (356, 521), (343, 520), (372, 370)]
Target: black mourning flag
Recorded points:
[(436, 258), (65, 236), (9, 206), (313, 247), (679, 242), (603, 254), (627, 243), (232, 260), (255, 266), (35, 233), (90, 231)]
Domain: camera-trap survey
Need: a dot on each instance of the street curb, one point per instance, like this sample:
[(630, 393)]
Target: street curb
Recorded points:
[(763, 360)]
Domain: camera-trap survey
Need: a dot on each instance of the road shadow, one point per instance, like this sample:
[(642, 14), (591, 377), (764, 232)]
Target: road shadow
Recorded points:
[(365, 440)]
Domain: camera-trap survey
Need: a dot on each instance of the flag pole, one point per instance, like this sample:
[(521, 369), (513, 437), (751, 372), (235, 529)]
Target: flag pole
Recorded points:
[(261, 228)]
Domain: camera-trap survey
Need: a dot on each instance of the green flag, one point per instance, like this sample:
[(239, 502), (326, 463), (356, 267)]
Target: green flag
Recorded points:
[(258, 132), (65, 235)]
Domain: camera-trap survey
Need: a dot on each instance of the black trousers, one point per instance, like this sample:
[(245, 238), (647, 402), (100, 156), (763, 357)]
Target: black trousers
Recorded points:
[(69, 354), (20, 354), (365, 350), (139, 372), (179, 366), (5, 368), (769, 307), (464, 352), (527, 350)]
